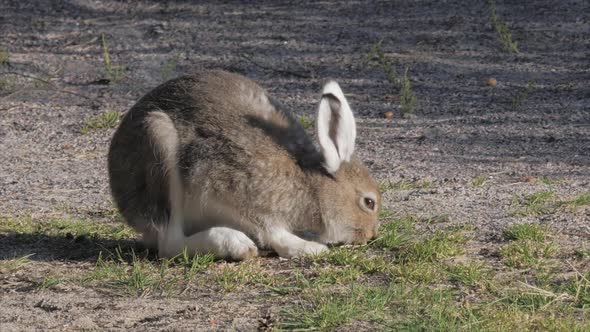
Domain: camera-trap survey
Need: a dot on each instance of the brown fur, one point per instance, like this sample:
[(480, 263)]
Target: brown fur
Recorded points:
[(242, 161)]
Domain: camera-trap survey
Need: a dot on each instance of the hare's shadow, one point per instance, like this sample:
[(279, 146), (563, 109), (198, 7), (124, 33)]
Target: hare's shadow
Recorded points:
[(43, 247)]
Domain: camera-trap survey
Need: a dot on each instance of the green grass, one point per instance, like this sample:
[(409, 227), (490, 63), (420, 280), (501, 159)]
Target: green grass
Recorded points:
[(49, 282), (578, 201), (65, 227), (468, 274), (231, 277), (546, 180), (4, 56), (535, 204), (522, 95), (531, 232), (113, 72), (327, 310), (377, 54), (418, 275), (168, 69), (104, 120), (504, 35), (14, 264), (479, 181), (404, 184), (527, 253), (195, 264), (128, 273), (306, 122), (407, 97), (530, 246), (395, 233)]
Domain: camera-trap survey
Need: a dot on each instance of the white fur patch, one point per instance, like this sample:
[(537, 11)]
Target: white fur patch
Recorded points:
[(288, 245), (342, 147)]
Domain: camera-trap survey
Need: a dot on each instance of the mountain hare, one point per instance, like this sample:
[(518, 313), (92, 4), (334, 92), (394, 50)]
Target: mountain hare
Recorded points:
[(211, 164)]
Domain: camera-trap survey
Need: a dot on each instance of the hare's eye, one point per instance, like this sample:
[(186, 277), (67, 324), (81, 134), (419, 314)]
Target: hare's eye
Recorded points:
[(370, 203)]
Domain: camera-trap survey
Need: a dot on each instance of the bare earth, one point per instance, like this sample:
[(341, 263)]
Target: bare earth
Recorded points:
[(463, 129)]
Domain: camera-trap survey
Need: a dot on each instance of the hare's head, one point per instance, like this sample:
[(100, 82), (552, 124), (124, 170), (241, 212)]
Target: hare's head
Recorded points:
[(349, 197)]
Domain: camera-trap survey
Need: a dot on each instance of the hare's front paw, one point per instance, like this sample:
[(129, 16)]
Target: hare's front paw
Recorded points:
[(240, 247), (313, 248)]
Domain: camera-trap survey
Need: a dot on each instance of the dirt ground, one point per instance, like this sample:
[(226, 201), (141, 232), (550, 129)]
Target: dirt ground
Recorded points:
[(463, 129)]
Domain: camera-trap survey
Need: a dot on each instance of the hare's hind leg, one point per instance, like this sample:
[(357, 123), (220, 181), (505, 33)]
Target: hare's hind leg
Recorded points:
[(223, 242)]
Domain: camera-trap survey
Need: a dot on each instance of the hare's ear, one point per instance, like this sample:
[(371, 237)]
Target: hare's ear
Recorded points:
[(336, 127)]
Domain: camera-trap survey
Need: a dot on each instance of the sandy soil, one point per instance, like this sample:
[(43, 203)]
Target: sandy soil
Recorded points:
[(462, 129)]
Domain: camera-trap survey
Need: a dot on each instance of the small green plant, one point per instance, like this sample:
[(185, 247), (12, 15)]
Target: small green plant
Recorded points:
[(527, 253), (233, 276), (306, 121), (195, 264), (327, 311), (579, 288), (395, 233), (522, 95), (169, 67), (14, 264), (130, 274), (377, 54), (531, 232), (504, 35), (534, 204), (582, 253), (404, 184), (580, 200), (63, 227), (546, 180), (441, 244), (4, 56), (479, 181), (469, 274), (48, 282), (408, 99), (108, 119), (114, 73)]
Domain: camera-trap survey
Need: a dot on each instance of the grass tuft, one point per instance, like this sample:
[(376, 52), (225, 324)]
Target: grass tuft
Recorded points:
[(168, 69), (4, 56), (231, 277), (114, 73), (8, 266), (377, 54), (504, 35), (468, 274), (527, 253), (522, 95), (306, 121), (105, 120), (49, 282), (580, 200), (531, 232), (479, 181), (408, 98), (535, 204), (404, 184)]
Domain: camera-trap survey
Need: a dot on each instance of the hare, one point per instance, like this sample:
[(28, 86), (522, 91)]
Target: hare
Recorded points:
[(209, 163)]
